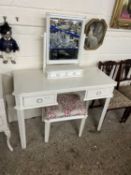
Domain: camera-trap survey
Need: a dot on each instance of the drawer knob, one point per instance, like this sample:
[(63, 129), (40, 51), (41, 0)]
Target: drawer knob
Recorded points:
[(39, 100)]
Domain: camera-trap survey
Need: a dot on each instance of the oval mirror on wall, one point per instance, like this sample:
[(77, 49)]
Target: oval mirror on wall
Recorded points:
[(95, 31)]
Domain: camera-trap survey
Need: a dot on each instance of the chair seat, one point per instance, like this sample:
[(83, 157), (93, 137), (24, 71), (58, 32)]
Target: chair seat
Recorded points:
[(126, 90), (68, 105), (119, 101)]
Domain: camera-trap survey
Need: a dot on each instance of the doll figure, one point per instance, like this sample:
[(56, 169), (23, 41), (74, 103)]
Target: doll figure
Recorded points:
[(8, 46)]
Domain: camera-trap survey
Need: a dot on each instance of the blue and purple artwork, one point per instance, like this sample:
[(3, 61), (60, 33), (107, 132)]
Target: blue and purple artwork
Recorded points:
[(64, 38)]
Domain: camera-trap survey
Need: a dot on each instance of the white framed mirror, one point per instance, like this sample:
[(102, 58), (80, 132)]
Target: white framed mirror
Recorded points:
[(63, 39)]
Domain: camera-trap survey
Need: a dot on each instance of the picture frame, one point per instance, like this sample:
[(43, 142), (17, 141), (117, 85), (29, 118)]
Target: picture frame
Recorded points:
[(121, 17), (95, 31)]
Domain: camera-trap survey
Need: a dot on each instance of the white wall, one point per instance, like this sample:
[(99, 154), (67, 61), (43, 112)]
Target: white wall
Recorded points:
[(29, 29)]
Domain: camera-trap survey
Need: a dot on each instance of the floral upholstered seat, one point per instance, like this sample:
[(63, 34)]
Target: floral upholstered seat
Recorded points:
[(119, 100), (126, 90), (68, 105)]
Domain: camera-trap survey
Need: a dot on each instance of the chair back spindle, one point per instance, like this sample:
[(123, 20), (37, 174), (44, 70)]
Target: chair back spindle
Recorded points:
[(110, 68), (124, 77)]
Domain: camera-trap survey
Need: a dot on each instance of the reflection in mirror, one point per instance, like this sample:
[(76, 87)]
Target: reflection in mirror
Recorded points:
[(63, 39)]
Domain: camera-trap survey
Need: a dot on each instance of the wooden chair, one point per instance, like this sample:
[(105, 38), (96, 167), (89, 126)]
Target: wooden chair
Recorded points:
[(119, 100), (69, 107), (111, 69), (124, 84)]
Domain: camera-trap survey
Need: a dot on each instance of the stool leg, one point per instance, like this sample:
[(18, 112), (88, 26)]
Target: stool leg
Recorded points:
[(82, 124), (47, 130)]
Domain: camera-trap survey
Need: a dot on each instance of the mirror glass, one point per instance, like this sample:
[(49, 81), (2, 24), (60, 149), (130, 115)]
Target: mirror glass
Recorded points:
[(64, 37)]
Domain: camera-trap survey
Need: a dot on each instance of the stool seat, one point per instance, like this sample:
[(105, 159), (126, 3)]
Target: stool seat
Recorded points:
[(68, 105)]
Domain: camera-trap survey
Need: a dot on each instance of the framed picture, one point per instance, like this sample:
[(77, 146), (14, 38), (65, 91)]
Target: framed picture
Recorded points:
[(95, 31), (121, 17)]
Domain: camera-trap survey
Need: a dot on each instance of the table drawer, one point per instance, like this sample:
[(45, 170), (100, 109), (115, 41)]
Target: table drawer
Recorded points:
[(41, 100), (98, 93)]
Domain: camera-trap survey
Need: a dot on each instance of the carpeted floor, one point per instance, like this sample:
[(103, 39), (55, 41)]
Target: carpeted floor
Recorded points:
[(104, 153)]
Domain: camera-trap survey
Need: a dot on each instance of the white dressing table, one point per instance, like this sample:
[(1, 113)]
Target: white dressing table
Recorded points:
[(33, 90)]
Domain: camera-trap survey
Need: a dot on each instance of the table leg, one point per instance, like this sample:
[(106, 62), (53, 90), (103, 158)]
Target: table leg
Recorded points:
[(21, 124), (103, 113)]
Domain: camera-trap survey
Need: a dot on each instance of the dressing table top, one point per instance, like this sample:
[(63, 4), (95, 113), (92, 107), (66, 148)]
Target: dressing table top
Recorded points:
[(34, 80)]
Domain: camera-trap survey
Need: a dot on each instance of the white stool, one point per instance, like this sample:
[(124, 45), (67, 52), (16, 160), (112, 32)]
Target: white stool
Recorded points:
[(69, 107)]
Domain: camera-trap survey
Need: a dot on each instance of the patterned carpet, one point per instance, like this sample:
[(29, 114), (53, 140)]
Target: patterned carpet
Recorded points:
[(104, 153)]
